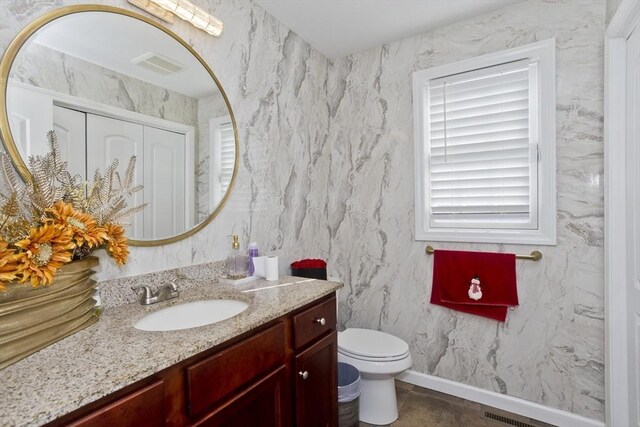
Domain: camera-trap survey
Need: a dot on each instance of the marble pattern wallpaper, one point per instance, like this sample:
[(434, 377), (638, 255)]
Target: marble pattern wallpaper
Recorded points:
[(550, 350), (46, 68), (326, 170)]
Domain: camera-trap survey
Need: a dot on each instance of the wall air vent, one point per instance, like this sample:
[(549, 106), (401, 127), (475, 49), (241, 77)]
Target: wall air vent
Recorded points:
[(158, 63)]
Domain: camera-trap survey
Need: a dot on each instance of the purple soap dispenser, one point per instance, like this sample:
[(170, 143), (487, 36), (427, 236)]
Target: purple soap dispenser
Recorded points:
[(252, 252)]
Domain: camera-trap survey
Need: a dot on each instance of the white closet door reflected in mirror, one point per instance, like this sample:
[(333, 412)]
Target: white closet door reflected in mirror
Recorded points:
[(109, 139), (162, 164), (165, 166), (165, 160), (70, 128)]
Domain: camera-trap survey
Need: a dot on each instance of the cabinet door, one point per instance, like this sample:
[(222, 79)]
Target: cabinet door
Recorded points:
[(214, 379), (316, 381), (263, 404)]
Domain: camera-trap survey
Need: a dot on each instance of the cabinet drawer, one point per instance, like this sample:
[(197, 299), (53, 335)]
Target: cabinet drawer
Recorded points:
[(142, 407), (217, 376), (314, 322)]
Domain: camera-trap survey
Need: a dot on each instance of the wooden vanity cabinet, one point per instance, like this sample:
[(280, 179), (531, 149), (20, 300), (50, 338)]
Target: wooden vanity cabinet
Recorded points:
[(281, 374), (315, 365)]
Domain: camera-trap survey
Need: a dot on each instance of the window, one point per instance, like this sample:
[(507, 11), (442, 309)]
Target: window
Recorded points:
[(485, 148), (223, 157)]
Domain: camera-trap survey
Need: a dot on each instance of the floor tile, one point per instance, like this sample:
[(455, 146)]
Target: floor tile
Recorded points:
[(401, 395), (404, 385), (420, 407)]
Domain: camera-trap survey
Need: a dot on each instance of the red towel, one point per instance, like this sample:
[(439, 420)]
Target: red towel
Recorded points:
[(453, 272)]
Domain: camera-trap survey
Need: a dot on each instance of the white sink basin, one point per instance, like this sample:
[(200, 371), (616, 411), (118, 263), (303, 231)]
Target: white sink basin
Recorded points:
[(191, 315)]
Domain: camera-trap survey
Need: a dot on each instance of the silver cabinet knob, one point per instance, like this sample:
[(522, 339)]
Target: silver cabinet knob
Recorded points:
[(321, 321), (304, 374)]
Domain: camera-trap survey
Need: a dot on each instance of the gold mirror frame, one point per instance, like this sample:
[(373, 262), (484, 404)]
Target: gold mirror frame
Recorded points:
[(5, 131)]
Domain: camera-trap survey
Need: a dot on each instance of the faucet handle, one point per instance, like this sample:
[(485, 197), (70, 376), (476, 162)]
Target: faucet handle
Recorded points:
[(168, 291), (147, 290)]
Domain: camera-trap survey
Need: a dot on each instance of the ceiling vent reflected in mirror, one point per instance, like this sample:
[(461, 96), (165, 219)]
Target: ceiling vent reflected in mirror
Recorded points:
[(158, 63)]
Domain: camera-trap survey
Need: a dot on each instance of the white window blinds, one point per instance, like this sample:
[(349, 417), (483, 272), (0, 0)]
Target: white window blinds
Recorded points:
[(227, 155), (481, 131)]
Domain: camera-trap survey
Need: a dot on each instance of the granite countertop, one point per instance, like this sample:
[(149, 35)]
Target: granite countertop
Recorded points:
[(112, 354)]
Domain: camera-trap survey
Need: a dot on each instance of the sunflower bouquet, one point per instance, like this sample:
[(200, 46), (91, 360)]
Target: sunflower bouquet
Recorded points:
[(55, 218)]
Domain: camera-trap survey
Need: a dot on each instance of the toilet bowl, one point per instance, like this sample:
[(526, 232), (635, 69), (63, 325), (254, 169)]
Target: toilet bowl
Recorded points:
[(379, 357)]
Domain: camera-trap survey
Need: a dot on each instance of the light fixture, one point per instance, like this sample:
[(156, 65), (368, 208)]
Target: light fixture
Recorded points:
[(154, 9), (193, 14)]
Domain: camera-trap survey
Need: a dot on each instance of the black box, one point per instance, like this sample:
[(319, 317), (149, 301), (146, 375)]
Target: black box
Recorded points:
[(312, 273)]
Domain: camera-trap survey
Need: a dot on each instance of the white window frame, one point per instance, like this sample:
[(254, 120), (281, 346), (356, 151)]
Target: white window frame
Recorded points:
[(544, 231), (215, 159)]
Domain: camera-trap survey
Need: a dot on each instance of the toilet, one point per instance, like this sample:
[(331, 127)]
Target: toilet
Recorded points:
[(379, 357)]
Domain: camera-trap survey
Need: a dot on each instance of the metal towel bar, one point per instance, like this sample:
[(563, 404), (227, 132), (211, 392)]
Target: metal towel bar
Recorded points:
[(535, 255)]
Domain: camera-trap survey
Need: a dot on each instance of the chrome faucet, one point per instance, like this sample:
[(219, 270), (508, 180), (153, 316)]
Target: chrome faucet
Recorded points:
[(164, 293)]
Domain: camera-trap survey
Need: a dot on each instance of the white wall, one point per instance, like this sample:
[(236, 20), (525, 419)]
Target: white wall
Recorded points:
[(550, 351)]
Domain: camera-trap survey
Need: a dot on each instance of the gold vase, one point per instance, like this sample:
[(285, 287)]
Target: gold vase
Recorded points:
[(33, 318)]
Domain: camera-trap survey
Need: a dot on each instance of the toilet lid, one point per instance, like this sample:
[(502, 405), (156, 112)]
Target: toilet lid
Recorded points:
[(371, 344)]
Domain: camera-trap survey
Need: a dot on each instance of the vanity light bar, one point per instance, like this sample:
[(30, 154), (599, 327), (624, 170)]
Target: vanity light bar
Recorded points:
[(193, 14), (154, 9)]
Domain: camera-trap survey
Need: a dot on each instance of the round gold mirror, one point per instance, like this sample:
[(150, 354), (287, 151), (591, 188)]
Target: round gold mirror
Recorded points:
[(112, 84)]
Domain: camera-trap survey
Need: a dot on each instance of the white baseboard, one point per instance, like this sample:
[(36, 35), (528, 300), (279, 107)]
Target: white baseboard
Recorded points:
[(500, 401)]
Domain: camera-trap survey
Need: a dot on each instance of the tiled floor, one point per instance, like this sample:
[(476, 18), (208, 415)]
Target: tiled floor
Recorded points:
[(420, 407)]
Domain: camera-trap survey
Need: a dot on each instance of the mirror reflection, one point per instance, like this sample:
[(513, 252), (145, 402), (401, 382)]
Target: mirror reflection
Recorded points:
[(113, 86)]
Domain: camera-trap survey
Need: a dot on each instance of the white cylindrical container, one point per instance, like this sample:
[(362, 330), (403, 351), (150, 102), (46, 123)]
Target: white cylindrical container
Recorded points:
[(271, 268)]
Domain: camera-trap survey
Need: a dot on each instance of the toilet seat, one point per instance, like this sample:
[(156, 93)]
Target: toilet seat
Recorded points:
[(370, 345), (373, 359)]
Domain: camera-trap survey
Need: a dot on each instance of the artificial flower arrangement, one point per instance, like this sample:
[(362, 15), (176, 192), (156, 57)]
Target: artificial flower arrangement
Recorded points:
[(56, 218), (313, 268)]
